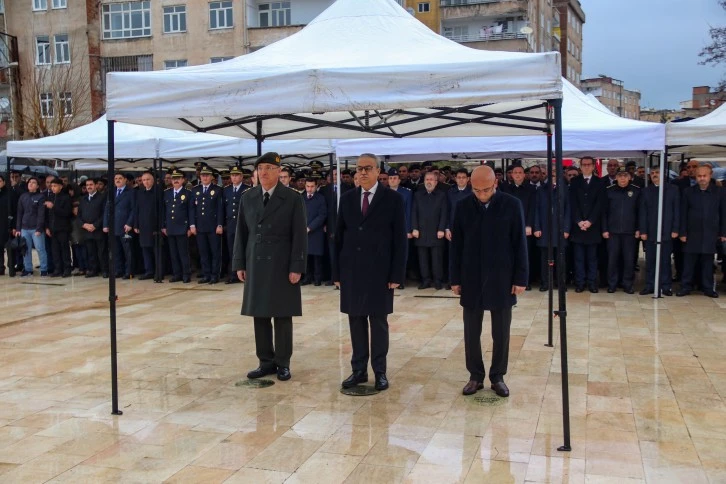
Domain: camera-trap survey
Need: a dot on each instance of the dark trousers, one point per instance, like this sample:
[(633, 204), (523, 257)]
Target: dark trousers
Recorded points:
[(97, 255), (4, 237), (124, 255), (544, 267), (585, 264), (332, 255), (678, 258), (229, 236), (80, 257), (535, 267), (149, 256), (61, 250), (209, 244), (666, 247), (179, 254), (278, 353), (692, 263), (378, 342), (52, 267), (431, 259), (314, 268), (602, 261), (621, 251), (501, 322)]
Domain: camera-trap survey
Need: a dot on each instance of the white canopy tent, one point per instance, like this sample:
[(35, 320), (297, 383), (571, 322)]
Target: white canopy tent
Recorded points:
[(589, 128), (705, 136)]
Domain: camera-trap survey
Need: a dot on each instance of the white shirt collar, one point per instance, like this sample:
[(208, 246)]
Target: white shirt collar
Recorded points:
[(270, 191)]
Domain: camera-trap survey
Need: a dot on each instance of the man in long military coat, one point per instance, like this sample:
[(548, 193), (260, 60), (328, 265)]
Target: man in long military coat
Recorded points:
[(270, 251), (147, 222), (370, 264)]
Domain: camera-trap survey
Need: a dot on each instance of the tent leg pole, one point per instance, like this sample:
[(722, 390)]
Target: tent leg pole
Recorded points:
[(112, 273), (562, 312), (159, 271), (659, 235), (550, 255), (258, 138)]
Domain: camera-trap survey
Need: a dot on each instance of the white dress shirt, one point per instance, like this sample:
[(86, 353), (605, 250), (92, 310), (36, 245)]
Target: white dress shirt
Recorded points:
[(372, 192)]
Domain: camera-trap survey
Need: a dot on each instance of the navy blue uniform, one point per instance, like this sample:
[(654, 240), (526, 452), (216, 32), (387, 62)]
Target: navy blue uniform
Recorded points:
[(317, 214), (620, 221), (178, 216), (230, 204), (208, 215)]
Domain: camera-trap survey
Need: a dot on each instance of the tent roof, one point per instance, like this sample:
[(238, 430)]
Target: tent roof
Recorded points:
[(589, 128), (704, 136), (360, 69)]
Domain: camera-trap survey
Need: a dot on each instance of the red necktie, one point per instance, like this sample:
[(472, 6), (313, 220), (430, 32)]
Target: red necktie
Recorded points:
[(365, 203)]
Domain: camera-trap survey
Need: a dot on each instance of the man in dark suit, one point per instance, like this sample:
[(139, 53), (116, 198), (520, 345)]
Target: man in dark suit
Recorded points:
[(147, 222), (526, 192), (270, 251), (395, 183), (371, 263), (703, 224), (177, 219), (458, 192), (586, 201), (683, 183), (60, 211), (541, 228), (648, 222), (428, 221), (330, 193), (488, 270), (124, 211), (91, 212), (231, 196), (317, 214), (208, 225)]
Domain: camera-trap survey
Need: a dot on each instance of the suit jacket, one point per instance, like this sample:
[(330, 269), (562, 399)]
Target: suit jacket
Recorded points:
[(407, 205), (429, 216), (454, 196), (541, 210), (147, 219), (370, 252), (648, 213), (488, 253), (208, 209), (271, 242), (124, 210), (586, 203), (317, 214), (331, 201), (59, 217), (178, 213), (92, 212), (703, 218), (620, 211)]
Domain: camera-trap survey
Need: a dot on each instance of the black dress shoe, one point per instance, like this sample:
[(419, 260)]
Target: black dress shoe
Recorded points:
[(203, 280), (214, 280), (381, 382), (438, 286), (317, 283), (187, 279), (305, 282), (401, 287), (629, 290), (283, 374), (646, 291), (105, 275), (232, 280), (682, 293), (666, 292), (55, 274), (259, 372), (91, 274), (543, 288), (500, 389), (579, 289), (126, 277), (611, 290), (710, 293), (66, 274), (447, 287), (594, 289), (424, 285), (175, 279), (528, 288), (354, 379), (328, 283), (472, 387), (144, 277)]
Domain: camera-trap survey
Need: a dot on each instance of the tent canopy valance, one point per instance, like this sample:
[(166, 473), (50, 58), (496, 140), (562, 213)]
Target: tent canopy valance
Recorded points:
[(360, 69)]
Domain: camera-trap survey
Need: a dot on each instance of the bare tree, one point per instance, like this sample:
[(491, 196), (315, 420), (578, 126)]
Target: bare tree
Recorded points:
[(715, 52)]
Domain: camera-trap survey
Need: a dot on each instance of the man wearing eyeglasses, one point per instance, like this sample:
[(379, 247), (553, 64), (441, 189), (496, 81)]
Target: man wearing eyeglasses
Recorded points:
[(489, 269)]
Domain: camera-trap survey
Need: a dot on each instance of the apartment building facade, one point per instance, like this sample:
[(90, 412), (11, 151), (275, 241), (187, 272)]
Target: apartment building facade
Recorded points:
[(613, 94), (572, 20)]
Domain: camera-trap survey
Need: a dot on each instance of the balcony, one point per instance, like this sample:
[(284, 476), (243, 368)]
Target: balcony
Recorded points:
[(485, 38), (453, 9)]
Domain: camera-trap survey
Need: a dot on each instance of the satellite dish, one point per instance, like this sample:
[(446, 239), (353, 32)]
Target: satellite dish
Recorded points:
[(526, 30), (411, 11), (4, 103)]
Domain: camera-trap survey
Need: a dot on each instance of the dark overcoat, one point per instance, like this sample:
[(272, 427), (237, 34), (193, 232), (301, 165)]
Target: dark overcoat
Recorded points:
[(147, 219), (454, 196), (92, 212), (488, 253), (370, 252), (8, 208), (59, 217), (271, 242), (525, 193), (317, 214), (541, 209), (586, 203), (648, 213), (703, 218), (429, 214), (620, 210)]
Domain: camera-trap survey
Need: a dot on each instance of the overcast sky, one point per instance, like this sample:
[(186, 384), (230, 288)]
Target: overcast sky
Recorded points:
[(652, 45)]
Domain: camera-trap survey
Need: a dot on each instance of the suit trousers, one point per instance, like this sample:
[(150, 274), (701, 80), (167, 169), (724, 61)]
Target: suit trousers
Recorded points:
[(61, 250), (314, 268), (544, 267), (535, 267), (149, 256), (501, 322), (229, 235), (209, 244), (678, 258), (179, 254), (585, 264), (431, 259), (97, 255), (124, 255), (378, 342), (621, 249), (278, 353), (666, 248), (48, 248), (693, 263)]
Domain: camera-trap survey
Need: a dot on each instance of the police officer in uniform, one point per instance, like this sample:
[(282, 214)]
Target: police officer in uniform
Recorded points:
[(231, 196), (619, 228), (208, 225), (178, 216)]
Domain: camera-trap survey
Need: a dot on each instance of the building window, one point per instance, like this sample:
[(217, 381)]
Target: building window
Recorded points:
[(62, 49), (40, 5), (220, 15), (175, 19), (274, 14), (424, 7), (215, 60), (42, 50), (2, 6), (46, 104), (126, 20), (173, 64), (60, 3), (65, 102)]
